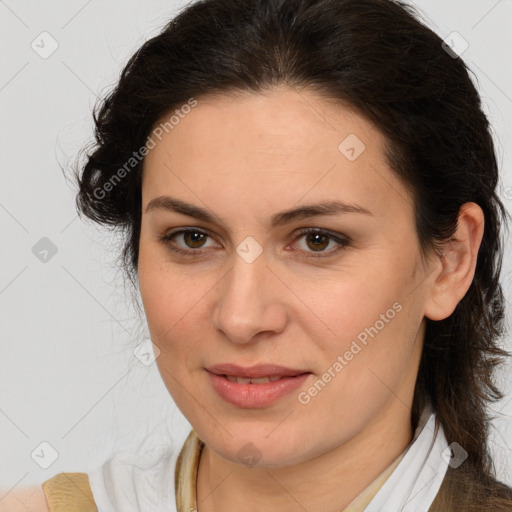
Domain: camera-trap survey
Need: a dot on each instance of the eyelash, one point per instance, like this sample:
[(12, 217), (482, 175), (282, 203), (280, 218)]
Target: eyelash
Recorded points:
[(342, 242)]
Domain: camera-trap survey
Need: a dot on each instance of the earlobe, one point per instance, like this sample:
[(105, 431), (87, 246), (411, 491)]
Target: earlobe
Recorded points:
[(457, 263)]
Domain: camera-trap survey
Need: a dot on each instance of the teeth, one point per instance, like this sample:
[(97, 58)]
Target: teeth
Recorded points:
[(252, 380), (239, 380), (262, 380)]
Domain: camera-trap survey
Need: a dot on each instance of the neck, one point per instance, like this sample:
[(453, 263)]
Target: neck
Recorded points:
[(329, 482)]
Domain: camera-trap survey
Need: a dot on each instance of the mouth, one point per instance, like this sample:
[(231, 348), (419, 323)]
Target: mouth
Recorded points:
[(255, 386), (251, 380), (256, 374)]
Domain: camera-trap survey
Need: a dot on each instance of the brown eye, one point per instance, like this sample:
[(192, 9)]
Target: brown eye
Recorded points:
[(317, 241), (188, 242), (192, 242), (194, 239)]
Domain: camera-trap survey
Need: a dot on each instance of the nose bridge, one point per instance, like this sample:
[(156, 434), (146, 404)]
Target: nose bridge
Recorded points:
[(248, 304)]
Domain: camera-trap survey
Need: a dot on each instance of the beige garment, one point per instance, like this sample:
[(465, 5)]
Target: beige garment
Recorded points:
[(188, 463), (69, 492)]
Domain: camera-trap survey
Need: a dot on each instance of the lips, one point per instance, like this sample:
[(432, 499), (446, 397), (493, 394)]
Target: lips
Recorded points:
[(261, 371), (255, 386), (255, 395)]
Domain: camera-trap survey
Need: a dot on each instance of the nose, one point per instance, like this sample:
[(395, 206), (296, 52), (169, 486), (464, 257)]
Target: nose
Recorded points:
[(250, 303)]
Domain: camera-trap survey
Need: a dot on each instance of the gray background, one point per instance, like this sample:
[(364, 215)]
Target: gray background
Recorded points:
[(68, 374)]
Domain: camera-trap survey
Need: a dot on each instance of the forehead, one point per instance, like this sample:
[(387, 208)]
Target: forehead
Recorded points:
[(283, 121), (272, 148)]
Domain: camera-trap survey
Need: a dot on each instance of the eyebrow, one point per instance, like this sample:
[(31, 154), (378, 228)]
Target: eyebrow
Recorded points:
[(324, 208)]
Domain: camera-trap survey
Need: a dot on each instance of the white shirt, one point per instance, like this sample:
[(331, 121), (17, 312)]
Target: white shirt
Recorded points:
[(122, 485)]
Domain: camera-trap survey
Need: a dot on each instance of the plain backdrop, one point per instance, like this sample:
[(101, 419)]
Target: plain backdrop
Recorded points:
[(71, 390)]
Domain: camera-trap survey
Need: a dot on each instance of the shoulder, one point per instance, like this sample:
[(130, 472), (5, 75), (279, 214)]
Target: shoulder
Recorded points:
[(66, 491), (60, 493), (465, 489), (28, 498), (133, 481), (499, 493)]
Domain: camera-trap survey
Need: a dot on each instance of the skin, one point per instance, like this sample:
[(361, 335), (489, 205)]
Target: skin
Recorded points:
[(245, 158), (28, 499)]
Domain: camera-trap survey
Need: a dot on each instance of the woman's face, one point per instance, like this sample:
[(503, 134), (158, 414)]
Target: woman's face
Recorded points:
[(342, 310)]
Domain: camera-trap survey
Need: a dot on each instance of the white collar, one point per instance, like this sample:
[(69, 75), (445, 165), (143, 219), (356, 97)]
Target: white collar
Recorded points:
[(413, 485), (415, 482)]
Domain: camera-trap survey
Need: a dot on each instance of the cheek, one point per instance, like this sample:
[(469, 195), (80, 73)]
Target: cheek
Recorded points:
[(368, 322), (169, 309), (349, 303), (154, 294), (164, 291), (159, 289), (174, 305)]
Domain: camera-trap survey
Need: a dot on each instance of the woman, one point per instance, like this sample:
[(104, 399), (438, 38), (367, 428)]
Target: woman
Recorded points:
[(308, 192)]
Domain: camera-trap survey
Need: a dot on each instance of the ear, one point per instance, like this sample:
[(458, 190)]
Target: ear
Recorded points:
[(455, 266)]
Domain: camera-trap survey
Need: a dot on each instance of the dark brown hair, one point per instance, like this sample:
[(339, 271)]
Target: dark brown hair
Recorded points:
[(377, 57)]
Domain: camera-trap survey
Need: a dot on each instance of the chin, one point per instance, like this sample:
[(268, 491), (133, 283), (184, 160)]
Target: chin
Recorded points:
[(259, 446)]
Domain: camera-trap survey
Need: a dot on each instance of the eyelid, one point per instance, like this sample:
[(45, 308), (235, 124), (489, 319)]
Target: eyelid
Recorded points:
[(166, 239), (342, 240)]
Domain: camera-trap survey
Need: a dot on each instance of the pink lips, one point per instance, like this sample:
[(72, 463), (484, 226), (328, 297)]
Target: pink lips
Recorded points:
[(253, 395)]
